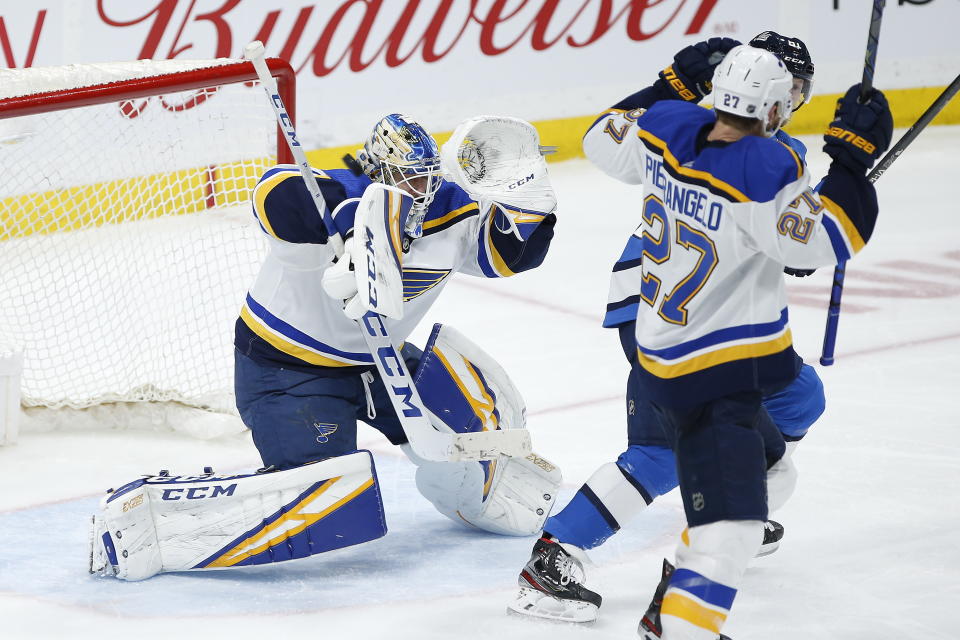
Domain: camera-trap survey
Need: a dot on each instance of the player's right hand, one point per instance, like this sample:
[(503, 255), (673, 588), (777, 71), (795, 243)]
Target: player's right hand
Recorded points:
[(691, 74), (339, 280), (860, 133)]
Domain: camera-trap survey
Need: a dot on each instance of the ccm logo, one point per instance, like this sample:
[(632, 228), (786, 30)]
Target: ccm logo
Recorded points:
[(520, 182), (852, 138), (371, 267), (285, 119), (199, 493)]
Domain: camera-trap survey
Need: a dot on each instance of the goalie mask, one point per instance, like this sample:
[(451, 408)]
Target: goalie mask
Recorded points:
[(794, 54), (402, 154), (752, 83)]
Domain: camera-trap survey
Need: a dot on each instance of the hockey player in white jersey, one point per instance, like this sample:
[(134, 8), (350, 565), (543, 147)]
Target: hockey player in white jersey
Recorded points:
[(618, 491), (725, 211), (304, 375)]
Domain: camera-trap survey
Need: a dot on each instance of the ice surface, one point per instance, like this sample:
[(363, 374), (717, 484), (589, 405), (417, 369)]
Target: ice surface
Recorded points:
[(870, 550)]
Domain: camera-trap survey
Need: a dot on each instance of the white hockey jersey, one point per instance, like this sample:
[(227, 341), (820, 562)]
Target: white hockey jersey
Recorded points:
[(719, 223), (287, 319)]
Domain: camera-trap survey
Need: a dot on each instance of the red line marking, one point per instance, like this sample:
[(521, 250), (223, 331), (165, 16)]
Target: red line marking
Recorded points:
[(593, 319), (899, 345), (575, 405), (821, 302), (922, 267)]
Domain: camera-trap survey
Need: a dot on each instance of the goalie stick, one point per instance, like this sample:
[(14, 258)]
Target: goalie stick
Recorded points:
[(425, 440)]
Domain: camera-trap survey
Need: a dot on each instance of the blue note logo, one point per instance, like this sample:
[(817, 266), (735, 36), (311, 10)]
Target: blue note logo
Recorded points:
[(325, 430)]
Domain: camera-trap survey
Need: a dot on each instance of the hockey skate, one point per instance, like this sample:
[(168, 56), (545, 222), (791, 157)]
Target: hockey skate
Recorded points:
[(772, 534), (650, 627), (551, 586)]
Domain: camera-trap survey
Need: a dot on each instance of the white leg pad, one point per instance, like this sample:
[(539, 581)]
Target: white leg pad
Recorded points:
[(176, 523), (510, 496)]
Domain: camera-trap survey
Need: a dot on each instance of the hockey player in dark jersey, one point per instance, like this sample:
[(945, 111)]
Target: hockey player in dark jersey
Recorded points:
[(618, 491)]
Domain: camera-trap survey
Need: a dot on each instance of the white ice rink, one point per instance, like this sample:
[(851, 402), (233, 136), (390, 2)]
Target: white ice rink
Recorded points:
[(871, 548)]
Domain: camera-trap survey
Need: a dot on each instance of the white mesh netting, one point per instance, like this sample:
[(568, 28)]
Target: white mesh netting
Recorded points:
[(127, 245)]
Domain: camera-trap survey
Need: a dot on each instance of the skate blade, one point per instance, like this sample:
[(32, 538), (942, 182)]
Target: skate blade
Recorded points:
[(767, 549), (531, 603)]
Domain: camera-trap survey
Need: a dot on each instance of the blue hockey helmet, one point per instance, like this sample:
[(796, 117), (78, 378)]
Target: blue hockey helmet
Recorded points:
[(402, 154), (794, 54)]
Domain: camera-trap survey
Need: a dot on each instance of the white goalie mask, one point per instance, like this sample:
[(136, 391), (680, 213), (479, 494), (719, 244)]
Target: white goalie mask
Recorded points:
[(400, 153), (750, 83)]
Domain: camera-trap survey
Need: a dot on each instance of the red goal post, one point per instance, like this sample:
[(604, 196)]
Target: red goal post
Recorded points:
[(126, 241), (149, 86)]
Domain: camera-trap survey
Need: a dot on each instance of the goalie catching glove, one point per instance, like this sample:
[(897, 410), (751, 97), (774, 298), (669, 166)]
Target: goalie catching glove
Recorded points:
[(500, 163)]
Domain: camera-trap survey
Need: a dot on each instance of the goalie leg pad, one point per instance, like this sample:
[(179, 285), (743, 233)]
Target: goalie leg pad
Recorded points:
[(176, 523), (466, 391), (508, 496)]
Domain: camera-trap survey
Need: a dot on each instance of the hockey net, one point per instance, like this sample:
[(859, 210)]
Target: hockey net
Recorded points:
[(126, 240)]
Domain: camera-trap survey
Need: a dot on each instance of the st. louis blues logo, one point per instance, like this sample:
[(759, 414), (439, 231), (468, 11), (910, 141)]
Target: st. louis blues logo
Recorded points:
[(325, 429)]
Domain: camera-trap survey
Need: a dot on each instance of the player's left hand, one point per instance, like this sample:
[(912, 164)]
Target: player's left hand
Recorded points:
[(798, 273), (694, 65), (860, 132)]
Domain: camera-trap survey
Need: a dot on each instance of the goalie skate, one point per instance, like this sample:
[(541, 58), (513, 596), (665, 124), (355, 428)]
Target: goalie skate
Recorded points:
[(551, 586)]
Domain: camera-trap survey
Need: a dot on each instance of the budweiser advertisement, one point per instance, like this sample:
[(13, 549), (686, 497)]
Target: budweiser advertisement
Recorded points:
[(441, 60)]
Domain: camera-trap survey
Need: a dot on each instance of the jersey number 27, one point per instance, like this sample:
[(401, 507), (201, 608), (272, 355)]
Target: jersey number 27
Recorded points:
[(673, 307)]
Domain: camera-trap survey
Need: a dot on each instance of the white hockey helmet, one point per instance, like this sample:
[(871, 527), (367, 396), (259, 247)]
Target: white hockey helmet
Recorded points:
[(400, 153), (750, 82)]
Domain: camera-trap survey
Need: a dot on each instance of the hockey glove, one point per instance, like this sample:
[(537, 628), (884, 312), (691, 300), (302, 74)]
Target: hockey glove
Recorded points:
[(859, 133), (339, 281), (690, 76), (798, 273)]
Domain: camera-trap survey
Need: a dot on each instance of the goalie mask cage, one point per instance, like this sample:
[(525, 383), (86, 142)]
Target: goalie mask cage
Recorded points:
[(126, 238)]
